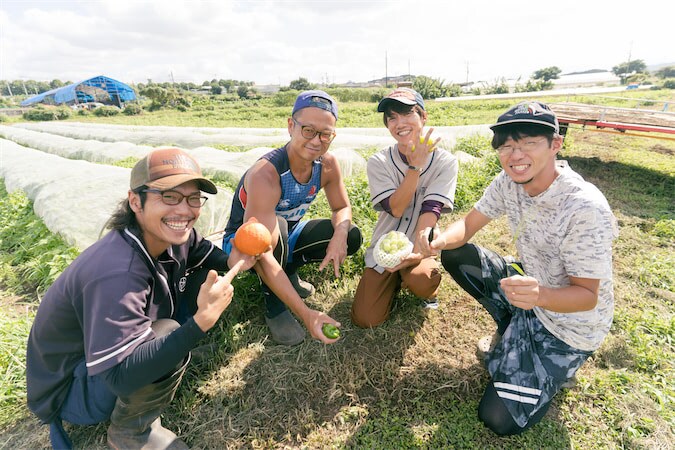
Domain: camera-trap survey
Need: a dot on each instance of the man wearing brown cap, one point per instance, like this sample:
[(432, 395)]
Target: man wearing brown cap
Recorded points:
[(554, 305), (108, 341)]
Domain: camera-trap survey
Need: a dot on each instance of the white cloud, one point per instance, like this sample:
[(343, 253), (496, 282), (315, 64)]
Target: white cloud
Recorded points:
[(278, 41)]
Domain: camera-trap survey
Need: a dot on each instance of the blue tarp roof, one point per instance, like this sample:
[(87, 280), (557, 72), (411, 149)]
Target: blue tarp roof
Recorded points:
[(81, 92)]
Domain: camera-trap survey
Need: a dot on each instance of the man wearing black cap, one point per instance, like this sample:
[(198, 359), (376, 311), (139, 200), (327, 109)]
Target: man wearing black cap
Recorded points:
[(278, 190), (411, 183), (108, 341), (554, 305)]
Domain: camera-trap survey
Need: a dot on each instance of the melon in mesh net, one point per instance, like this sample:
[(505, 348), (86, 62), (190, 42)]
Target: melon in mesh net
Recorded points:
[(391, 248)]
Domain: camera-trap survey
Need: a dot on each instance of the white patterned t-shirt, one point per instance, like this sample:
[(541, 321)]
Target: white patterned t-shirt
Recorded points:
[(565, 231)]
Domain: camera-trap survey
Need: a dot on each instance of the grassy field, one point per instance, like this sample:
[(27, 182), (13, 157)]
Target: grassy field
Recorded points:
[(214, 111), (414, 382)]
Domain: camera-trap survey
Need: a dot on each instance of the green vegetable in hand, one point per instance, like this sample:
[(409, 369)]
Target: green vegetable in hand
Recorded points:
[(330, 331), (517, 268)]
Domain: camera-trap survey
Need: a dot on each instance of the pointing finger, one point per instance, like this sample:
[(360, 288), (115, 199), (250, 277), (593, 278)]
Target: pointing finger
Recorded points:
[(229, 276)]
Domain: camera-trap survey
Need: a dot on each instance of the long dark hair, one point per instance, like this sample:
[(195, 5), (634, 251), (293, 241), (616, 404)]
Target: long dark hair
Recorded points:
[(124, 216)]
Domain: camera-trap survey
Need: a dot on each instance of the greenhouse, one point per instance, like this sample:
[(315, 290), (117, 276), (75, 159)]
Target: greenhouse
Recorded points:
[(99, 89)]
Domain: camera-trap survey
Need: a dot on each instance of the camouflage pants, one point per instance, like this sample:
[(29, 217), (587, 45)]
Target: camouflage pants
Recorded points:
[(529, 365)]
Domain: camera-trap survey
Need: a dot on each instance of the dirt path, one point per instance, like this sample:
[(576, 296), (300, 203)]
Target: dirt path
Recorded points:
[(13, 305)]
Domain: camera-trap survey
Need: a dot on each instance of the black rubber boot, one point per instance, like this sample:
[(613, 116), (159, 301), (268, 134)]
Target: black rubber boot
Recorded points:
[(135, 422)]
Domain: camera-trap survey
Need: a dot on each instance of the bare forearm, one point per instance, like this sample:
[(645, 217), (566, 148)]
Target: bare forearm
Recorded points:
[(567, 300), (399, 200), (461, 231), (454, 236), (525, 292), (342, 221)]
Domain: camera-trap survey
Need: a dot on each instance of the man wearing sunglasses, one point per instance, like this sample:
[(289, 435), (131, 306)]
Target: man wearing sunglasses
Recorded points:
[(554, 306), (277, 190), (109, 340)]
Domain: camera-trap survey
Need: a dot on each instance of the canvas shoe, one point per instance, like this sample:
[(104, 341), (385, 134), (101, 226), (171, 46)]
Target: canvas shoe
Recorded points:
[(486, 344), (303, 288), (430, 304), (285, 330)]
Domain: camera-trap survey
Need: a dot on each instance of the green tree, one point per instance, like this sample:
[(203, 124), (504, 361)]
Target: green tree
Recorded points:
[(626, 69), (227, 84), (429, 87), (499, 87), (301, 84), (452, 90), (666, 72), (534, 86), (165, 98), (56, 84), (547, 73), (242, 91)]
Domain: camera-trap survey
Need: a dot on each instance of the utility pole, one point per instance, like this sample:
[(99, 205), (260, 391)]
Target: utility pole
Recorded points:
[(9, 89), (172, 80), (386, 78), (467, 72)]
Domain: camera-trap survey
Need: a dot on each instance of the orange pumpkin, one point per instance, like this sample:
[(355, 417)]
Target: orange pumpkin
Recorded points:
[(252, 237)]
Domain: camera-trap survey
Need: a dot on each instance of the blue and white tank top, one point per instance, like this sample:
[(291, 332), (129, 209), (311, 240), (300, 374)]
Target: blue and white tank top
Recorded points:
[(295, 197)]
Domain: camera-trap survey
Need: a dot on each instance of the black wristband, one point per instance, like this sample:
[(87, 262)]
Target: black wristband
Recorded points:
[(416, 169)]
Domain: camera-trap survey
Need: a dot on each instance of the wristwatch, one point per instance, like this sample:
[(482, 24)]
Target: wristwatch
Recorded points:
[(416, 169)]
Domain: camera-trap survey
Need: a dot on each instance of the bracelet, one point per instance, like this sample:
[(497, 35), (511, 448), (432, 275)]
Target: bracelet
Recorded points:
[(416, 169)]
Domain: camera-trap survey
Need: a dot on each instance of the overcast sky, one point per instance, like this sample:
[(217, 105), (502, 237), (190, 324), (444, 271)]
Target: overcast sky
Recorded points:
[(274, 42)]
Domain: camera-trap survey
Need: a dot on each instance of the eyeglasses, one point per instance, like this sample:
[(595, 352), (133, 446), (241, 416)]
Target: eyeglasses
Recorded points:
[(308, 133), (526, 146), (173, 198)]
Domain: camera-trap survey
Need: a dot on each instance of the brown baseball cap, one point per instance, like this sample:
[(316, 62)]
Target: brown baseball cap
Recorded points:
[(403, 95), (167, 168)]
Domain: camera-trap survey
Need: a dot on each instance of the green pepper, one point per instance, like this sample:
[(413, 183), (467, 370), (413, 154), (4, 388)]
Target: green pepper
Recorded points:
[(517, 268), (330, 331)]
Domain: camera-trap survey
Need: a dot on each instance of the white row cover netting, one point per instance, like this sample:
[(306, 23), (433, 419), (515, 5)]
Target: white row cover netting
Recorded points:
[(216, 163), (87, 149), (53, 164), (191, 137), (75, 198)]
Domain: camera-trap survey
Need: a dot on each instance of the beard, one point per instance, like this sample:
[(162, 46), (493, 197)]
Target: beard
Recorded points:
[(523, 182)]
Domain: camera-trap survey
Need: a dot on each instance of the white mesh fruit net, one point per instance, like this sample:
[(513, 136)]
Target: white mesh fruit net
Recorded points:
[(391, 248)]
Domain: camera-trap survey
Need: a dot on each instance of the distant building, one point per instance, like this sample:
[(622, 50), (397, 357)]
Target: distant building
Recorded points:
[(98, 89), (586, 79), (266, 88), (394, 79)]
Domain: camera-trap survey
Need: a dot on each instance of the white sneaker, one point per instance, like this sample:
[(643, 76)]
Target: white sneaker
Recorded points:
[(430, 304), (486, 344)]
